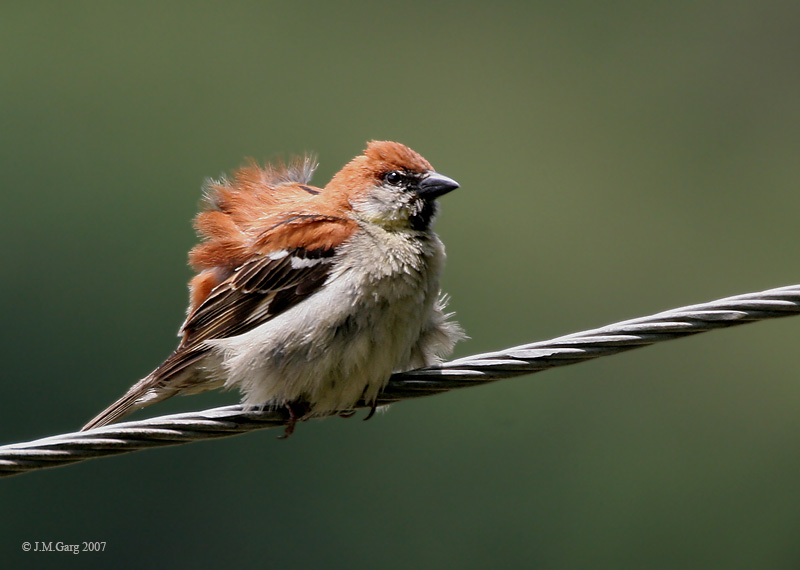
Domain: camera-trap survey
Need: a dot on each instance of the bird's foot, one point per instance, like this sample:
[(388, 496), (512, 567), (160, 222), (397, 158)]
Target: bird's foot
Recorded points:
[(372, 409), (297, 413)]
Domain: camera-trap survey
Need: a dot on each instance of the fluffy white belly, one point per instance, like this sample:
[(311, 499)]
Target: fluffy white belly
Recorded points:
[(343, 342)]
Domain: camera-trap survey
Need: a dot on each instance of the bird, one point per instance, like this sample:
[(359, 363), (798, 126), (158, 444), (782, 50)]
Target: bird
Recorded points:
[(309, 298)]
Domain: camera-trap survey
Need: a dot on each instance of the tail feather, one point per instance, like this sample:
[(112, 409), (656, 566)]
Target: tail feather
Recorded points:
[(127, 404), (175, 375)]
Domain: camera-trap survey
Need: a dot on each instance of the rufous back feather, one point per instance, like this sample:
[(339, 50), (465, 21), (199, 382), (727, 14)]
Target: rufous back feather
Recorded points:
[(236, 210), (259, 211)]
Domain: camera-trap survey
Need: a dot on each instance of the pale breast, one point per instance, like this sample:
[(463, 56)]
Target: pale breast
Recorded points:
[(344, 341)]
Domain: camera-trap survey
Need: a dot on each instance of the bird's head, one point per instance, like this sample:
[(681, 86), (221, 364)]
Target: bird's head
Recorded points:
[(392, 186)]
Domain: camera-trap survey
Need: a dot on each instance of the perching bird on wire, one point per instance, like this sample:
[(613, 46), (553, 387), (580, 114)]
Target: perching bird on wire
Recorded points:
[(306, 297)]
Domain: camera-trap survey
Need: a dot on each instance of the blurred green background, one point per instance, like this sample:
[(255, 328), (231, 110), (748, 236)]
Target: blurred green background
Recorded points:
[(616, 159)]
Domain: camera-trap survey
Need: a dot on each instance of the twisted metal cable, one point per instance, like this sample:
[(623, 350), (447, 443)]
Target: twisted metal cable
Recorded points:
[(469, 371)]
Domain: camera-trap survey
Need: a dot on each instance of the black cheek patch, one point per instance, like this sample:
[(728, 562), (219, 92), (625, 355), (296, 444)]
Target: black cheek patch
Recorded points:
[(421, 220)]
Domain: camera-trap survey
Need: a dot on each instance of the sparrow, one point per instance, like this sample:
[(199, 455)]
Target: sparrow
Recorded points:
[(310, 298)]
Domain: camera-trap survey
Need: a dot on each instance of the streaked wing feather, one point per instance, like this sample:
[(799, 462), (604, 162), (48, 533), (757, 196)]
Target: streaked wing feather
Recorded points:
[(256, 292)]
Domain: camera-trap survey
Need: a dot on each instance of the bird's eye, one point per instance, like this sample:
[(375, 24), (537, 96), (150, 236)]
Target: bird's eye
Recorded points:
[(394, 178)]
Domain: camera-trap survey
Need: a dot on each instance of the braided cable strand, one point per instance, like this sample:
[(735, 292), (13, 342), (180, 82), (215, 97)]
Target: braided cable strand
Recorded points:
[(605, 341), (469, 371)]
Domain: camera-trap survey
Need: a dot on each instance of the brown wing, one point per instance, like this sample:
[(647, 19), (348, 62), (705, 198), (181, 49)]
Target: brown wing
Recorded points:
[(256, 292)]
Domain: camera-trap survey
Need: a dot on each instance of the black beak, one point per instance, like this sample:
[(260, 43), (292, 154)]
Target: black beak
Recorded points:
[(433, 185)]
